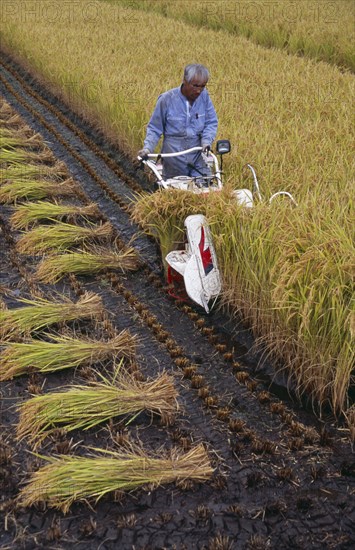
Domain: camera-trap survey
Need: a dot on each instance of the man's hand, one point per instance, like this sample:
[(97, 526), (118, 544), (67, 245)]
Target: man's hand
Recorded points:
[(143, 153), (206, 148)]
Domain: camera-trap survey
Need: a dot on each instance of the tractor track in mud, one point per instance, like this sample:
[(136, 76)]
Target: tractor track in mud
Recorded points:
[(283, 479)]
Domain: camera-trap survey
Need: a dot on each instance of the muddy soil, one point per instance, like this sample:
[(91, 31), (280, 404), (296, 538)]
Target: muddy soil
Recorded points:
[(283, 478)]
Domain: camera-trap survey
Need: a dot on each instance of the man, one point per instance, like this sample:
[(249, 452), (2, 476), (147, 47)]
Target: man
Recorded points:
[(185, 116)]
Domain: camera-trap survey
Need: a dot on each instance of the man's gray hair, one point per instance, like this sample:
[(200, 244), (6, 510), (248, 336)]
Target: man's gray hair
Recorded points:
[(195, 70)]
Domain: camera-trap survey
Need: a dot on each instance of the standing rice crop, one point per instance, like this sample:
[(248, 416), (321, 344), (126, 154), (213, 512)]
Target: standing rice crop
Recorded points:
[(61, 236), (66, 479), (62, 352), (52, 269), (31, 212), (82, 407), (40, 313)]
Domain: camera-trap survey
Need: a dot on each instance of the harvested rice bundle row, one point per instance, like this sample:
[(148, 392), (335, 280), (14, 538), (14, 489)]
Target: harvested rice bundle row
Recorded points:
[(67, 479), (82, 407), (52, 269), (25, 214), (62, 352), (40, 313)]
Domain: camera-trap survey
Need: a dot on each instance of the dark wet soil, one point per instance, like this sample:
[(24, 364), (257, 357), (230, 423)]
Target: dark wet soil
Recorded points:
[(283, 478)]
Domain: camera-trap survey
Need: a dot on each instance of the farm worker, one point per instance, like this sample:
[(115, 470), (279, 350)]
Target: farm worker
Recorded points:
[(185, 116)]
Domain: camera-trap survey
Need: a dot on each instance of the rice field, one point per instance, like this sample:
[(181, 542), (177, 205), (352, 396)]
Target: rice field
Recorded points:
[(290, 116), (320, 30), (288, 272)]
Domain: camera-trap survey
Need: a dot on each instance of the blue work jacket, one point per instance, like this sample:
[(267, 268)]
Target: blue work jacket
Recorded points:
[(183, 126)]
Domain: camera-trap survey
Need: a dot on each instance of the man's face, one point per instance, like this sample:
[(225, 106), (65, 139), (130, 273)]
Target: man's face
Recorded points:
[(192, 90)]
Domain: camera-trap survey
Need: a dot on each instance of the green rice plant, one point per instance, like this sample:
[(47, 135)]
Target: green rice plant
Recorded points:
[(32, 189), (62, 352), (21, 171), (83, 407), (40, 313), (53, 268), (67, 479), (10, 155), (31, 212), (61, 236), (18, 139)]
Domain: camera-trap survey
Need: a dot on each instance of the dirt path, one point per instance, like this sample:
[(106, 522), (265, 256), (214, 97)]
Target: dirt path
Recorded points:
[(283, 479)]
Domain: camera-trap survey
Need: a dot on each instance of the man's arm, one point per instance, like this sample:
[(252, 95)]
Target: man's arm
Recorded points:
[(211, 124), (156, 125)]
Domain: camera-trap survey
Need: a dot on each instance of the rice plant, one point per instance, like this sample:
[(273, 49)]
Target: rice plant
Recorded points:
[(317, 30), (162, 214), (61, 352), (6, 111), (12, 121), (53, 268), (61, 236), (83, 407), (32, 190), (9, 155), (67, 479), (19, 139), (31, 212), (24, 171), (40, 313)]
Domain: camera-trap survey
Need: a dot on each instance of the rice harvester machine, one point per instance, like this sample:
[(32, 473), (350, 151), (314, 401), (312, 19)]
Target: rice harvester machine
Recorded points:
[(193, 271)]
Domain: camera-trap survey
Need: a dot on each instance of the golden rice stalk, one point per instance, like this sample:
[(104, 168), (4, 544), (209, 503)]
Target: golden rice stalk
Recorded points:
[(32, 189), (82, 407), (67, 479), (13, 121), (17, 139), (61, 236), (52, 269), (61, 353), (40, 313), (9, 155), (6, 111), (25, 132), (30, 212), (23, 171)]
